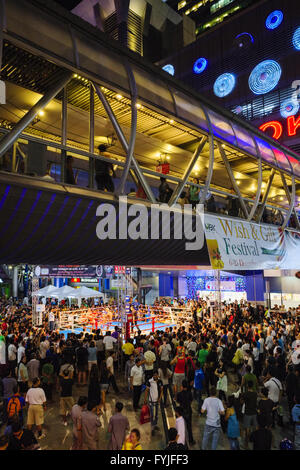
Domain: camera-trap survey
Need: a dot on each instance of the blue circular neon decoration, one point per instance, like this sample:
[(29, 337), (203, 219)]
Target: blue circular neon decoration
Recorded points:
[(289, 108), (244, 34), (200, 65), (169, 68), (224, 85), (274, 19), (296, 39), (264, 77)]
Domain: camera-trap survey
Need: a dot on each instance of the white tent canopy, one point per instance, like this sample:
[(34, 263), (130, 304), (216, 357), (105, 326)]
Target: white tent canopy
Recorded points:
[(45, 291), (86, 293), (63, 292)]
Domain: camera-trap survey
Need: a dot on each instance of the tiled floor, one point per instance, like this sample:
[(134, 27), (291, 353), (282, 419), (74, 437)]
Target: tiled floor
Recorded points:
[(59, 437)]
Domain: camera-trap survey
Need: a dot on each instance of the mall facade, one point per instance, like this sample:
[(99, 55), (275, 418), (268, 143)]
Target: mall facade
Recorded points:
[(248, 63)]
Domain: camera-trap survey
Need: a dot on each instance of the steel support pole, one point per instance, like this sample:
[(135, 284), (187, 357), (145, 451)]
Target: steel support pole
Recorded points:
[(92, 138), (211, 158), (15, 282), (13, 135), (291, 198), (258, 192), (64, 132), (2, 27), (266, 194), (232, 179), (176, 194), (133, 91), (124, 143)]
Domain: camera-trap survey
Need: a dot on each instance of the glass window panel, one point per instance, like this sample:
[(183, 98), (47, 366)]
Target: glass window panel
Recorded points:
[(244, 139), (221, 127), (282, 160), (295, 165), (265, 151), (153, 90), (82, 178)]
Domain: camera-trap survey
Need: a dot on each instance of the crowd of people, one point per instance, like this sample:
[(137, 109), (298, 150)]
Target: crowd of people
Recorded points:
[(237, 368)]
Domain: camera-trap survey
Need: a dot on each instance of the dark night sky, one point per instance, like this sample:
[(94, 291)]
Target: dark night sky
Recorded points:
[(69, 4)]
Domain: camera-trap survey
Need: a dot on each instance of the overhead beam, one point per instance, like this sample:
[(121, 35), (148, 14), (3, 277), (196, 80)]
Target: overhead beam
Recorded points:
[(178, 190), (9, 139)]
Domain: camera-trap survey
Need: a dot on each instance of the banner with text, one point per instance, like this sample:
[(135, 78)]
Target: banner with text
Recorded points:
[(240, 245)]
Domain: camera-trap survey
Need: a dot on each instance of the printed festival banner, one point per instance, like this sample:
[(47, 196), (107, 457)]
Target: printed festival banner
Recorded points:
[(237, 245)]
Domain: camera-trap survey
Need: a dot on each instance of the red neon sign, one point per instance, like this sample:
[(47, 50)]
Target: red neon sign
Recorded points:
[(293, 125), (276, 126)]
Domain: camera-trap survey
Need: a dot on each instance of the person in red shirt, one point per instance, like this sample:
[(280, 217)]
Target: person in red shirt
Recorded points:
[(179, 373)]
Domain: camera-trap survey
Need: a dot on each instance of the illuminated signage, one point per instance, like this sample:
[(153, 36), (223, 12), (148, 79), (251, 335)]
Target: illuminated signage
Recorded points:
[(293, 125)]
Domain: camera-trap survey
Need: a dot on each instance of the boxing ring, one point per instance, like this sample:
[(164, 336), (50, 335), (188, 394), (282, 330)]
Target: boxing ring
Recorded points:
[(147, 319)]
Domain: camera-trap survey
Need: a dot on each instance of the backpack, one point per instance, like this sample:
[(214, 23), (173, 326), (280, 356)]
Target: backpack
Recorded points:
[(13, 407)]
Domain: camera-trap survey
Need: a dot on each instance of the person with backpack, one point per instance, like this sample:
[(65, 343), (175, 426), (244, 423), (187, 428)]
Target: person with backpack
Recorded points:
[(233, 427), (15, 406)]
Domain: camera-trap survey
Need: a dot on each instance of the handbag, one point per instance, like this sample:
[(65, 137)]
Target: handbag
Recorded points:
[(145, 414)]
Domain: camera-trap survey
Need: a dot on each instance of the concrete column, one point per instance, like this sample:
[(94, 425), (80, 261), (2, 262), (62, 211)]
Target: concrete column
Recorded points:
[(15, 281)]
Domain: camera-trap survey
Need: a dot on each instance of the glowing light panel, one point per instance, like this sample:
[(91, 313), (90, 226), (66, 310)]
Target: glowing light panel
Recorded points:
[(296, 39), (264, 77), (274, 19), (200, 65), (244, 34), (169, 68), (289, 107), (224, 85)]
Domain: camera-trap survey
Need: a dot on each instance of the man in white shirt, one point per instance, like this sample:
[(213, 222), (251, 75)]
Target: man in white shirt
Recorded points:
[(214, 408), (136, 381), (150, 358), (275, 392), (109, 342), (180, 426), (21, 351), (51, 319), (154, 389), (12, 357), (36, 400)]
